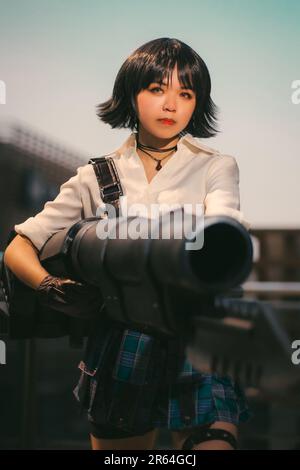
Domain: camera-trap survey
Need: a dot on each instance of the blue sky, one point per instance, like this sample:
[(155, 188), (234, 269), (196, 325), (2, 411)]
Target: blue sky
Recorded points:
[(60, 58)]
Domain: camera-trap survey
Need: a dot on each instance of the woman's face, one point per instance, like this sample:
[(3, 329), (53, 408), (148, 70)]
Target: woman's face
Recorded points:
[(158, 102)]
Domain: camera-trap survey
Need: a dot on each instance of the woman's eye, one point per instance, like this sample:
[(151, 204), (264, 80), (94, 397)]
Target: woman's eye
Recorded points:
[(156, 88), (187, 95)]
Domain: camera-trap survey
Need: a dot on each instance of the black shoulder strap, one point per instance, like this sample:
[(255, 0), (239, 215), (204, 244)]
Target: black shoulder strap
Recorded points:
[(108, 180)]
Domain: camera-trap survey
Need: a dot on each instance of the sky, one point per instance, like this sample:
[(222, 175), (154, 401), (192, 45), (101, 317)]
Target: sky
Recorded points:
[(59, 59)]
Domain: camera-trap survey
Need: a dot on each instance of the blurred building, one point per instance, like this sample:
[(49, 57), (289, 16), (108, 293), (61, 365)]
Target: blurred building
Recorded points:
[(32, 169), (277, 255)]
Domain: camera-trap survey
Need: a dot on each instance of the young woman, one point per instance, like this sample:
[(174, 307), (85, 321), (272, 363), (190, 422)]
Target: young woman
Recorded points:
[(132, 383)]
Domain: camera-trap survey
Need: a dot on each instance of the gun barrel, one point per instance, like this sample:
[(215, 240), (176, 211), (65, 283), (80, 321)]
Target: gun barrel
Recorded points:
[(222, 260)]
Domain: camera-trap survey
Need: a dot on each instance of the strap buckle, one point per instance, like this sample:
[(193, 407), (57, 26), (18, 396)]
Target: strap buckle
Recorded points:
[(105, 170), (111, 192)]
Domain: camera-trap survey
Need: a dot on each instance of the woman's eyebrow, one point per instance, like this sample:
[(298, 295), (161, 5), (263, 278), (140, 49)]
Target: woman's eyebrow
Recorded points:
[(182, 87)]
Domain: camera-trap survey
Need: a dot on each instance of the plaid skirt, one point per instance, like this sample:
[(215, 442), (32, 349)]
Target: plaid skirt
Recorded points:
[(135, 381)]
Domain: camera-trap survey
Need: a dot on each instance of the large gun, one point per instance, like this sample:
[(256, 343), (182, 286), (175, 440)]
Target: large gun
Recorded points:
[(138, 278), (160, 287), (157, 284)]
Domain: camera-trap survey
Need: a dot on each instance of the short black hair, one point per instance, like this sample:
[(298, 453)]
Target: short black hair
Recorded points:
[(154, 61)]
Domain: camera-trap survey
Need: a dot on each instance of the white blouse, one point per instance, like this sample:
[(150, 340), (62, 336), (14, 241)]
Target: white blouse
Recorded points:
[(194, 174)]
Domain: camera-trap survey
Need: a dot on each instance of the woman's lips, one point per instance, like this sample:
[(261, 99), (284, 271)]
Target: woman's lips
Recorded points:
[(167, 122)]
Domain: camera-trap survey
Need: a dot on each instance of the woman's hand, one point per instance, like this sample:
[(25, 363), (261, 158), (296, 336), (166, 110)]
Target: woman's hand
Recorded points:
[(70, 297)]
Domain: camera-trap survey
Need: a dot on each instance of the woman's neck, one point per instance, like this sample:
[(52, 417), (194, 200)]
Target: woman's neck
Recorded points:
[(152, 141)]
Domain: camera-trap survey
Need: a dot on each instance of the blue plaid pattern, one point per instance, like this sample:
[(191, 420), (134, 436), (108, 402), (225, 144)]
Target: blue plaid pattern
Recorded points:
[(133, 358), (133, 380)]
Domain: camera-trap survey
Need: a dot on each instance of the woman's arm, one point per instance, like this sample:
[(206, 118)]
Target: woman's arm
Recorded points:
[(223, 193), (65, 210), (21, 257), (67, 296)]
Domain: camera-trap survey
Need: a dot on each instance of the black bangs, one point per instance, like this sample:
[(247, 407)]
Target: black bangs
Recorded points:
[(155, 62), (160, 73)]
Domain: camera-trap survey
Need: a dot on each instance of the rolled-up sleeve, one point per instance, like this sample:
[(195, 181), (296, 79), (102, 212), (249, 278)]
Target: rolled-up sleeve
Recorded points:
[(65, 210), (222, 190)]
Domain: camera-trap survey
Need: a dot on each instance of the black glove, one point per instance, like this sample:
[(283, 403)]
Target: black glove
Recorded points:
[(70, 297)]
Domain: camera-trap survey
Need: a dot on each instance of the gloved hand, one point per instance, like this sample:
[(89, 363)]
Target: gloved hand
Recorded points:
[(70, 297)]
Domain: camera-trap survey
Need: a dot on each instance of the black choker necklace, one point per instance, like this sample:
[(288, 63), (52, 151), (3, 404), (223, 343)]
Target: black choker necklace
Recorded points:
[(155, 149)]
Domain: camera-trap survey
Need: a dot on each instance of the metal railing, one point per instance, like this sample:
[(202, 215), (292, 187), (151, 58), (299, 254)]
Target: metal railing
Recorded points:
[(274, 290)]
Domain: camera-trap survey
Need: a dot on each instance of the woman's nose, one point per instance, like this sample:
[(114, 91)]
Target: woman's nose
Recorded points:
[(169, 105)]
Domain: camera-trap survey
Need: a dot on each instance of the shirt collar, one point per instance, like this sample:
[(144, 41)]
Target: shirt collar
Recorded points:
[(186, 140)]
